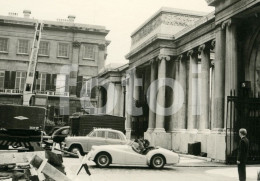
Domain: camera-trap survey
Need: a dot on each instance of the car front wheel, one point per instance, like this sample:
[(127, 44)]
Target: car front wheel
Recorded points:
[(103, 160), (157, 162), (76, 149)]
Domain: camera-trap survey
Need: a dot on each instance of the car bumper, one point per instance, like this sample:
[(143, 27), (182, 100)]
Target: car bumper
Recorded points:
[(90, 156), (66, 148)]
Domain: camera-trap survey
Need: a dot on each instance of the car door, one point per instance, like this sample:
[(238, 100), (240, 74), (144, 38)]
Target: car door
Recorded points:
[(113, 138), (97, 138), (133, 158)]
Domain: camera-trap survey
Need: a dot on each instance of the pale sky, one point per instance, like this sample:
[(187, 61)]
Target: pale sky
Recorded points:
[(121, 17)]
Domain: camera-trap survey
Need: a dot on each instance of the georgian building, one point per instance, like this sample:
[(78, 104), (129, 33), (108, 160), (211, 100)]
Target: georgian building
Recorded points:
[(69, 54), (214, 62)]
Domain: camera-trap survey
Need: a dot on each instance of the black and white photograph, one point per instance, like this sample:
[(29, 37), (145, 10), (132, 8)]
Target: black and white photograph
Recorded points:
[(129, 90)]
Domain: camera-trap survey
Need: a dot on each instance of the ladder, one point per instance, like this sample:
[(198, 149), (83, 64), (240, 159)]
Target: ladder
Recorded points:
[(28, 88)]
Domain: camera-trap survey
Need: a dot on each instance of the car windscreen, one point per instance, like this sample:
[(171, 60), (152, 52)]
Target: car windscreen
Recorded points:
[(90, 134)]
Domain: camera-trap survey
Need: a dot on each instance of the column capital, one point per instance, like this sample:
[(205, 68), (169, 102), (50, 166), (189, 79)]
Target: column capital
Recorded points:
[(176, 59), (203, 47), (213, 44), (163, 56), (191, 52), (225, 24), (131, 71), (180, 57), (228, 23), (152, 61)]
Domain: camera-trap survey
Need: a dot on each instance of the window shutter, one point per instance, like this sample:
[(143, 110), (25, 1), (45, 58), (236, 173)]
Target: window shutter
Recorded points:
[(48, 82), (79, 85), (94, 88), (12, 82), (7, 77), (67, 83), (54, 77), (34, 84)]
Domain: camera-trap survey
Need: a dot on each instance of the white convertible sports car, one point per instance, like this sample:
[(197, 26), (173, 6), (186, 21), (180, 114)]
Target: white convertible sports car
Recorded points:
[(155, 157)]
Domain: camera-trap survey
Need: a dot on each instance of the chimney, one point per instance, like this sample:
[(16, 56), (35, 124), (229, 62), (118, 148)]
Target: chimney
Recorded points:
[(26, 13), (71, 18), (13, 14)]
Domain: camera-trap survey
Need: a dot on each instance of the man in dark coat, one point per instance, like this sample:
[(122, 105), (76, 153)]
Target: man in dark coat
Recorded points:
[(242, 154)]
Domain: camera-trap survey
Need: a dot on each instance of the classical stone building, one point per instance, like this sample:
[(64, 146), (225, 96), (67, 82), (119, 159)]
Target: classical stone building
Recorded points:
[(69, 54), (112, 90), (215, 59)]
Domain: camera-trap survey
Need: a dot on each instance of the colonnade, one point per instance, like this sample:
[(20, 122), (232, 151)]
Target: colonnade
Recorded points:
[(205, 92)]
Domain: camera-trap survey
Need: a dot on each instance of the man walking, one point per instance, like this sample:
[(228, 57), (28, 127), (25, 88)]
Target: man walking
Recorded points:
[(242, 154)]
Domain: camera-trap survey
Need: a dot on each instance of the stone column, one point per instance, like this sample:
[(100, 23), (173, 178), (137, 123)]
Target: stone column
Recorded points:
[(130, 105), (160, 118), (192, 99), (136, 88), (182, 116), (179, 118), (117, 99), (174, 117), (213, 43), (219, 75), (125, 114), (216, 147), (231, 82), (205, 86), (99, 100), (231, 54), (152, 97)]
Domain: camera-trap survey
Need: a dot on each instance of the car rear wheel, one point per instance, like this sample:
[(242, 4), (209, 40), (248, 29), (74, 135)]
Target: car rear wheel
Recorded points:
[(103, 160), (157, 162), (75, 149)]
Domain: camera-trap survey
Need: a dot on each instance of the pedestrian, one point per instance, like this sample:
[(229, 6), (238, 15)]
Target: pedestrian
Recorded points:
[(242, 154)]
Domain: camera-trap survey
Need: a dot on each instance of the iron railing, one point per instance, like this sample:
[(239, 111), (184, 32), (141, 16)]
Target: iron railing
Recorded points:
[(243, 113)]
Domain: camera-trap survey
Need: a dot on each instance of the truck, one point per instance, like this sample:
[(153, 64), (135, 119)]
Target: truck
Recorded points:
[(20, 125), (82, 125)]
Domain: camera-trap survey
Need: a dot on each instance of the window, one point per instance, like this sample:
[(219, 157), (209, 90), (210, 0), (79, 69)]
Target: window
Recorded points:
[(44, 48), (2, 79), (41, 82), (88, 85), (60, 83), (112, 135), (3, 44), (101, 134), (20, 80), (23, 46), (93, 134), (89, 51), (63, 50)]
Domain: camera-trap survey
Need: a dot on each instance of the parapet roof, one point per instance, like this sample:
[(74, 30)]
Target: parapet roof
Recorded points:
[(53, 24), (170, 10)]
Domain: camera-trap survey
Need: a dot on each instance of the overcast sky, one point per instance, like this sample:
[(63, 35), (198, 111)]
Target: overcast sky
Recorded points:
[(121, 17)]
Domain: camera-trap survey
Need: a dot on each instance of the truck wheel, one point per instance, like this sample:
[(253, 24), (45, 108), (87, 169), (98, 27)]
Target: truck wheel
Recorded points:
[(157, 162), (103, 160), (75, 149)]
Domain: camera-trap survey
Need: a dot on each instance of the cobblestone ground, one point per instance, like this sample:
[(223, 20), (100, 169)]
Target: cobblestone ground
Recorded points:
[(179, 173)]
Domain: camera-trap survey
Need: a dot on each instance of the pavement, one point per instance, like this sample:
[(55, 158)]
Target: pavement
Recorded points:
[(196, 161), (190, 168)]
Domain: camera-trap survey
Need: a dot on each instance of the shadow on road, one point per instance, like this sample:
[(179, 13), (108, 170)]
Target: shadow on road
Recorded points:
[(133, 168)]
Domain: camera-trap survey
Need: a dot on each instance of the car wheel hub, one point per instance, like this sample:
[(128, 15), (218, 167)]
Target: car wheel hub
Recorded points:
[(103, 160), (158, 161)]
